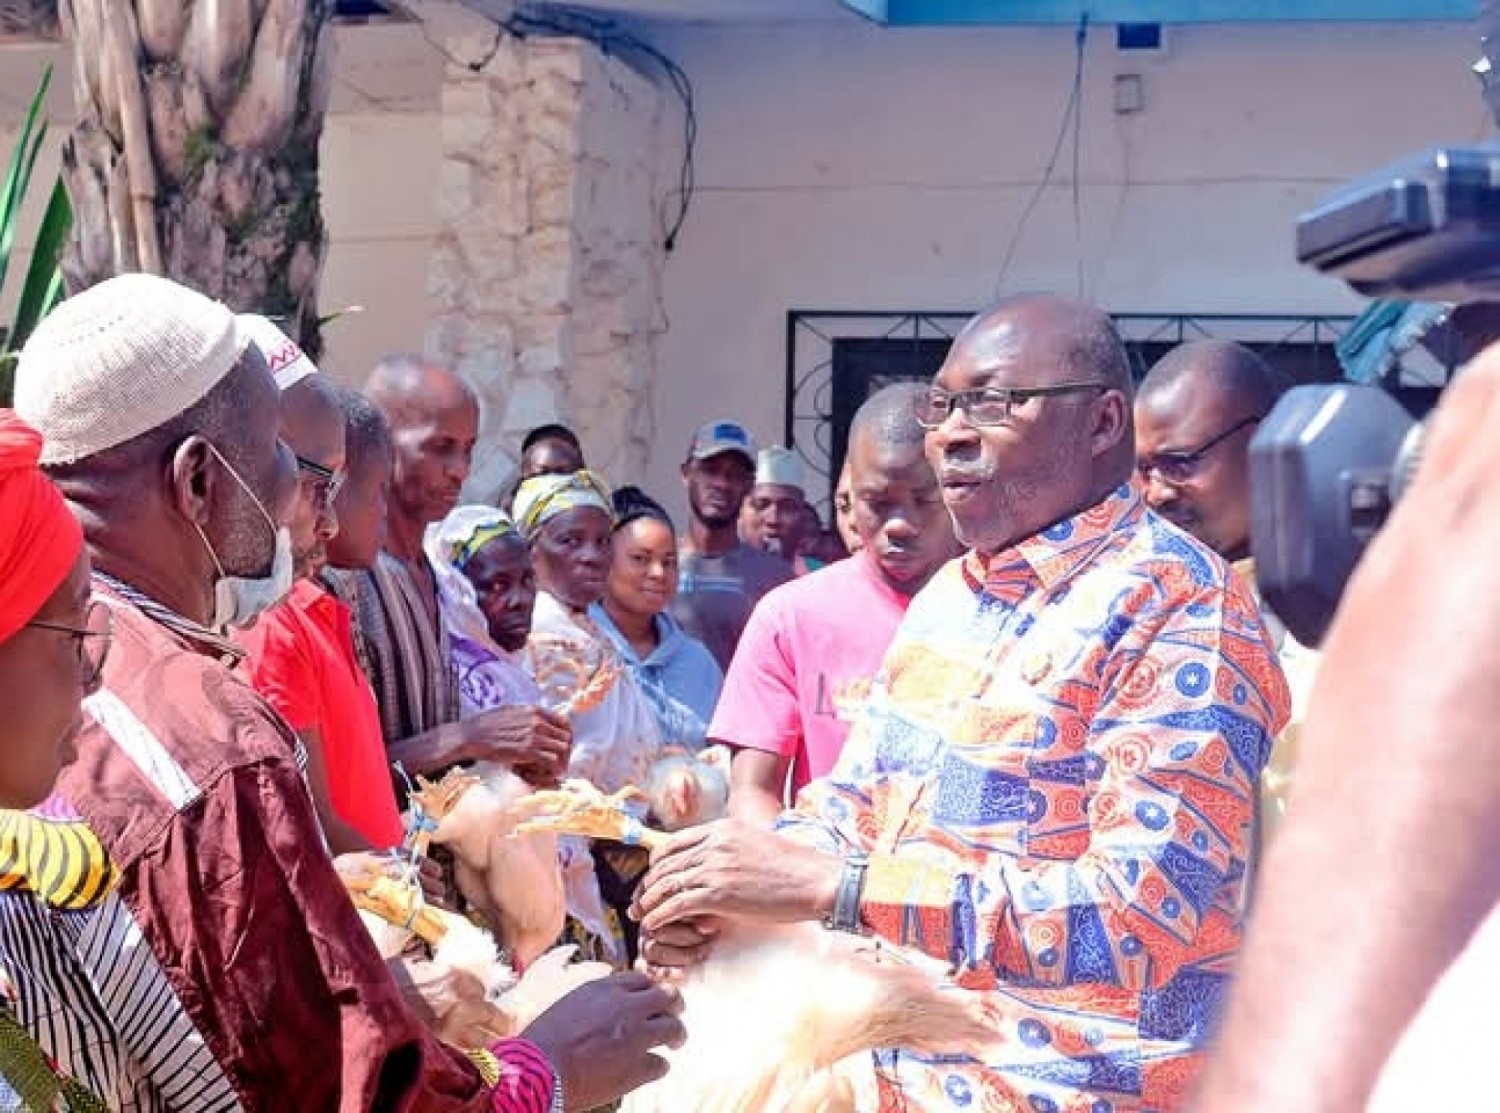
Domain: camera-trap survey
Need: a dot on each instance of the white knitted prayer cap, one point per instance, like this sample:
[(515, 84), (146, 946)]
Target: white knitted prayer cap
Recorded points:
[(288, 362), (778, 467), (120, 359)]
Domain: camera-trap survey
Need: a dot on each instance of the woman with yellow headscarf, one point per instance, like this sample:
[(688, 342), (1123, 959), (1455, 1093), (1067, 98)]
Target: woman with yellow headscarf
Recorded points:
[(569, 522)]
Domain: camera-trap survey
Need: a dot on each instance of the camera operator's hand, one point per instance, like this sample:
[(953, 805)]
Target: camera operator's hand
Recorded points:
[(600, 1037), (533, 741), (1386, 861)]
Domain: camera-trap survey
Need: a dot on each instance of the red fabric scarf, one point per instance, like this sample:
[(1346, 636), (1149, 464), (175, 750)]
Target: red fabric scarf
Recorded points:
[(39, 538)]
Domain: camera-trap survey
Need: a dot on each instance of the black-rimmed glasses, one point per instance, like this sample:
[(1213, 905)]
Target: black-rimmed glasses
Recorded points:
[(1181, 466), (325, 483), (92, 640), (990, 405)]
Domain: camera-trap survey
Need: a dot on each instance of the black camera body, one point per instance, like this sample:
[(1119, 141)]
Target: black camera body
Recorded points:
[(1329, 462)]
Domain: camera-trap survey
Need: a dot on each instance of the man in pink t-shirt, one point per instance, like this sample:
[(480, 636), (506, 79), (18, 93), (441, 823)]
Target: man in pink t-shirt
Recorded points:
[(812, 647)]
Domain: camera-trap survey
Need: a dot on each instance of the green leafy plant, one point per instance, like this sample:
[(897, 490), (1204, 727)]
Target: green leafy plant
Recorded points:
[(42, 287)]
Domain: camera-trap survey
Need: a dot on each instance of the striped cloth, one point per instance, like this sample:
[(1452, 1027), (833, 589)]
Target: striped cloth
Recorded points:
[(77, 974), (402, 650), (1055, 783)]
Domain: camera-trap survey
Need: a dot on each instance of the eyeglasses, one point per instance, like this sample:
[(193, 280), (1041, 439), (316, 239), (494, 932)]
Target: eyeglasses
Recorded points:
[(92, 640), (1180, 467), (987, 406), (325, 483)]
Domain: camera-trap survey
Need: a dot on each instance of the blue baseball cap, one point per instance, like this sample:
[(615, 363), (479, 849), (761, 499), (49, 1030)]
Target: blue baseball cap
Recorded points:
[(718, 437)]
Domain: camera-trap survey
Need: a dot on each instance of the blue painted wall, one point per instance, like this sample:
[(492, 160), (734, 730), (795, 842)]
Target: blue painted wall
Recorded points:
[(937, 13)]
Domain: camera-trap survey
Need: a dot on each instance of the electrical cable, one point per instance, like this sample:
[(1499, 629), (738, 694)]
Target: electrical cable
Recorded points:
[(612, 38), (1070, 117)]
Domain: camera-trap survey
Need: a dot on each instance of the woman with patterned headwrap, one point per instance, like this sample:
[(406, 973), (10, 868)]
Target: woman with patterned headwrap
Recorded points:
[(569, 522), (486, 591), (53, 640)]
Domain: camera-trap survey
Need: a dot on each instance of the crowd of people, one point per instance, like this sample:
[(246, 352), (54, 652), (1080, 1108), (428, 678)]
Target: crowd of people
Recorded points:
[(1019, 709)]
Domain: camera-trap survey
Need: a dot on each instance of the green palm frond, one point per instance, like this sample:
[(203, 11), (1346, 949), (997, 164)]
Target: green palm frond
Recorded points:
[(42, 287)]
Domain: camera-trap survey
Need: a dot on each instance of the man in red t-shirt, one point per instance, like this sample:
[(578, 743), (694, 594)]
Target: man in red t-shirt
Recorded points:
[(302, 653)]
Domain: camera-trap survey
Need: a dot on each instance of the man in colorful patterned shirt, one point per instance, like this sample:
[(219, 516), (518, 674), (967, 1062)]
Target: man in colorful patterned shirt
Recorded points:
[(1053, 788)]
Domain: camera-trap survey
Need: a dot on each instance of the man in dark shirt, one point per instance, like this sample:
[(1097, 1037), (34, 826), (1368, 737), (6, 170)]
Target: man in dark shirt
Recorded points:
[(720, 578)]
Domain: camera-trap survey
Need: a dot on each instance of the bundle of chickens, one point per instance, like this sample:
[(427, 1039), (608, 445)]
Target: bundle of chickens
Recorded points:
[(469, 989), (783, 1019), (473, 985)]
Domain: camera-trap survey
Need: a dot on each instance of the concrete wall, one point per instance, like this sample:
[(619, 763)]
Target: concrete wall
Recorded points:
[(864, 168), (847, 166), (545, 278)]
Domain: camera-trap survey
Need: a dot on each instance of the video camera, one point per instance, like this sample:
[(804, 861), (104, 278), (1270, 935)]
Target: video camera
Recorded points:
[(1329, 462)]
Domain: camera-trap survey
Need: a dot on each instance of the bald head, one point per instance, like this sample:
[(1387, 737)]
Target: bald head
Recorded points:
[(434, 418), (312, 420), (1062, 340), (1050, 455), (1228, 371), (409, 388), (1195, 414)]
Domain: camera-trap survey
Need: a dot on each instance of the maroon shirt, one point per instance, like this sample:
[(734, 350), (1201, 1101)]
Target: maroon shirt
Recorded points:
[(222, 867)]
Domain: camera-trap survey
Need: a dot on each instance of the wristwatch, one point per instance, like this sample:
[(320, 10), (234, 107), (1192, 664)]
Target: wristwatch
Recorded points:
[(846, 901), (557, 1094)]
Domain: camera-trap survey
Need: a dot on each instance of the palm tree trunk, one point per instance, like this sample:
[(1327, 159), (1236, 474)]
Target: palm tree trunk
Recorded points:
[(196, 151)]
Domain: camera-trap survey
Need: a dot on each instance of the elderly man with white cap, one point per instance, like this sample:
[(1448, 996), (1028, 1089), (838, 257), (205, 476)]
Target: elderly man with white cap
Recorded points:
[(172, 931)]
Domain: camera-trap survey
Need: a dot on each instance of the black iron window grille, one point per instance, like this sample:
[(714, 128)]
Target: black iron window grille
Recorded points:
[(836, 358)]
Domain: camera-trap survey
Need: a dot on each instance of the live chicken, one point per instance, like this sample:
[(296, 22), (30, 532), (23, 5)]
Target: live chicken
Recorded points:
[(782, 1020), (514, 881)]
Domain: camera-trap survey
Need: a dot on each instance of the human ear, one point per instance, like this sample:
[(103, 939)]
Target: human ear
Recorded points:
[(1111, 418), (192, 477)]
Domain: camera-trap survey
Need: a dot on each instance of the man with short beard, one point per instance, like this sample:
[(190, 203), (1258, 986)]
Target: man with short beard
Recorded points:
[(720, 578), (771, 518), (1052, 786), (171, 930)]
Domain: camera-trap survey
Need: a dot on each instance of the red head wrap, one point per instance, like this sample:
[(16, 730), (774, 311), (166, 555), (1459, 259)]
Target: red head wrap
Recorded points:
[(39, 538)]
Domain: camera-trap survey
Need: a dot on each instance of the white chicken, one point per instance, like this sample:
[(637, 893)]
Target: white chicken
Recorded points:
[(515, 882), (686, 789), (821, 1002)]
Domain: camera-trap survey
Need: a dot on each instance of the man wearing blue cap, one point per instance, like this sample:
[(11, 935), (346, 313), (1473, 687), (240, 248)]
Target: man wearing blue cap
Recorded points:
[(720, 579)]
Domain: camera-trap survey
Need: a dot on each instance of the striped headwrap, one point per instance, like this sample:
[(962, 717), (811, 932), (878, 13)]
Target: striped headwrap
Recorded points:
[(543, 497), (467, 529)]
